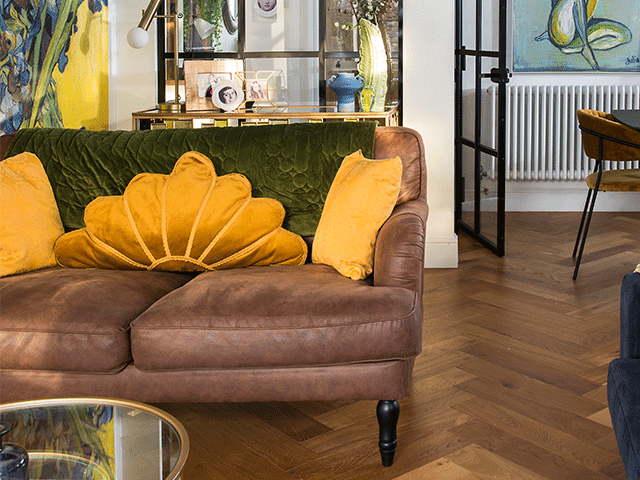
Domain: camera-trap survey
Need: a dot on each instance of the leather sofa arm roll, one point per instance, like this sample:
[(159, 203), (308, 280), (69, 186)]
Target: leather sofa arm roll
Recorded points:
[(630, 316), (399, 253), (5, 141)]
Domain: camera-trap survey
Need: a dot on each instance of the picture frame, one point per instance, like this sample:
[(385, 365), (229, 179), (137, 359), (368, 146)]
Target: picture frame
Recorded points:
[(227, 95), (259, 86), (266, 8), (207, 81), (198, 72), (256, 90)]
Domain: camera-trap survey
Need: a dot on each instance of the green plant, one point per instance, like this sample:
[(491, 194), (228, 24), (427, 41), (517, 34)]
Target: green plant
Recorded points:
[(211, 11)]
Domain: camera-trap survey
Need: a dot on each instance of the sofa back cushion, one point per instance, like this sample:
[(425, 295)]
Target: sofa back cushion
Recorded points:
[(294, 164)]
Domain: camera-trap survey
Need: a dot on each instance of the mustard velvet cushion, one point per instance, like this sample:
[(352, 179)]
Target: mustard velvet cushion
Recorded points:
[(190, 220), (29, 218), (624, 180), (360, 200)]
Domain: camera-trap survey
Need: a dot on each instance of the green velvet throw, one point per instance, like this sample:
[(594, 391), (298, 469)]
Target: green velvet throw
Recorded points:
[(294, 164)]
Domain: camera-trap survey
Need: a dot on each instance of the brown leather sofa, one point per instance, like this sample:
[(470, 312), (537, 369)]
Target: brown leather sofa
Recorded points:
[(277, 333)]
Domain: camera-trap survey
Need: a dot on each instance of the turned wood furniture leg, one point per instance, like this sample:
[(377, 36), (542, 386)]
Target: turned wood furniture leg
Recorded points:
[(388, 412)]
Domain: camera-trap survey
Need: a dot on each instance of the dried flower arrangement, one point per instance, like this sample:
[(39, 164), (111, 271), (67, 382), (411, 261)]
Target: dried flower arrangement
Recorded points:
[(371, 9)]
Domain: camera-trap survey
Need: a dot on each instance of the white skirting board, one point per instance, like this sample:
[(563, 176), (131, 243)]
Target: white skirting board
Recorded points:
[(441, 252), (565, 197), (557, 197)]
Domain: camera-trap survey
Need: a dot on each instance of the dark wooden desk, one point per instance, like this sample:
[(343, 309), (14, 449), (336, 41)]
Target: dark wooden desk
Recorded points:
[(631, 118)]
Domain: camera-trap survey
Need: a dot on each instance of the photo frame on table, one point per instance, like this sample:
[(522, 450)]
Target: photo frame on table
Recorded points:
[(259, 86), (227, 95), (202, 76)]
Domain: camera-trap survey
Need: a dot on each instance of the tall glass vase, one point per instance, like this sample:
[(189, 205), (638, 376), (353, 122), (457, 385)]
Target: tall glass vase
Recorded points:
[(373, 62)]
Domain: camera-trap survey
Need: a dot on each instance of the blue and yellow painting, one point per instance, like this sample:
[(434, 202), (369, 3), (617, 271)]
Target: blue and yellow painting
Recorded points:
[(54, 64), (576, 35)]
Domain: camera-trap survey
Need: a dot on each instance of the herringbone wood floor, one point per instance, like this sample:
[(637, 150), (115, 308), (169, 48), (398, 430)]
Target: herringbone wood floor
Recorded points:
[(511, 383)]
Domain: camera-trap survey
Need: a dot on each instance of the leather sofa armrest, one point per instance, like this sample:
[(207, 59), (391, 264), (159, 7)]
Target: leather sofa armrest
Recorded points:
[(5, 141), (399, 252), (630, 316)]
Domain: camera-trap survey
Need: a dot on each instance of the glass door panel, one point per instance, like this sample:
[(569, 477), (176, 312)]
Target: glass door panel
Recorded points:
[(480, 146)]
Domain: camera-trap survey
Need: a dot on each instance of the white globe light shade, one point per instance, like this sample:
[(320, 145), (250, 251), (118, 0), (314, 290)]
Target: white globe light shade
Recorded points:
[(138, 37)]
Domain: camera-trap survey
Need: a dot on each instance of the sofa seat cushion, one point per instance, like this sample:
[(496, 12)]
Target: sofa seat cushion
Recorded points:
[(623, 392), (276, 316), (75, 320)]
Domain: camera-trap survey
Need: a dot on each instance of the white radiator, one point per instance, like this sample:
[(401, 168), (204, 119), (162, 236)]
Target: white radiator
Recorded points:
[(543, 137)]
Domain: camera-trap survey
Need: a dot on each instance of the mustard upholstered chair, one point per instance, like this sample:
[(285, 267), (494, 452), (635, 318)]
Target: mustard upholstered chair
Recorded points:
[(604, 138)]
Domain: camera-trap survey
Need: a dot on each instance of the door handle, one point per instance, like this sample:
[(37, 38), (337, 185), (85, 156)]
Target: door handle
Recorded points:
[(497, 76)]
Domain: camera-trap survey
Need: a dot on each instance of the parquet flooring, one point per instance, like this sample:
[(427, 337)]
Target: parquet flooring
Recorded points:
[(511, 383)]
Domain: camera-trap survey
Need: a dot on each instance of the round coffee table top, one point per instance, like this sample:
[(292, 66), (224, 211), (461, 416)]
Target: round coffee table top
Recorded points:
[(97, 439)]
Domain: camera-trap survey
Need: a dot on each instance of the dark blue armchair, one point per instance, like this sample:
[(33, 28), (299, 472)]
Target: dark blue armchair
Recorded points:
[(623, 389)]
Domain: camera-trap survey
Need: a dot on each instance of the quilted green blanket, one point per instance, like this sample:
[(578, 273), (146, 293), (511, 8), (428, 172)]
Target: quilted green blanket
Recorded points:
[(294, 164)]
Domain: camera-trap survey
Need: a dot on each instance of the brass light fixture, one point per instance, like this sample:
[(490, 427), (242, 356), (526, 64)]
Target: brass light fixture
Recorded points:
[(138, 37)]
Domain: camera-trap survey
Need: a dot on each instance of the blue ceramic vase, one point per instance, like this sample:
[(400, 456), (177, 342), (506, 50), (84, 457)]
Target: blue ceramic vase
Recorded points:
[(345, 86)]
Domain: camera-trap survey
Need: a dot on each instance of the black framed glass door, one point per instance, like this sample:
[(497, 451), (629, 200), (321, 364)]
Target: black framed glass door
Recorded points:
[(481, 61)]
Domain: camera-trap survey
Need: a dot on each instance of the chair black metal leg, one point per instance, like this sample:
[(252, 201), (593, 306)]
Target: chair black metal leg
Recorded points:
[(586, 229), (584, 215), (388, 412)]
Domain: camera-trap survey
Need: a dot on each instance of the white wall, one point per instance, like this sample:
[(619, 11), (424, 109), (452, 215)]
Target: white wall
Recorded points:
[(428, 107), (132, 75), (428, 101)]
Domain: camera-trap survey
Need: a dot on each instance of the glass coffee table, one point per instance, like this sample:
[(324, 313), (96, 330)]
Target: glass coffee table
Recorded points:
[(96, 439)]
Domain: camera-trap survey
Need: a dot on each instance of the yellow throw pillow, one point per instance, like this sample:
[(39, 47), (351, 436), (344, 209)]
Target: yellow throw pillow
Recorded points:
[(29, 217), (359, 201), (190, 220)]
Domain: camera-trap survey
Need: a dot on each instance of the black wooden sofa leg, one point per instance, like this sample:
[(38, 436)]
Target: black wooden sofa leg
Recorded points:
[(388, 412)]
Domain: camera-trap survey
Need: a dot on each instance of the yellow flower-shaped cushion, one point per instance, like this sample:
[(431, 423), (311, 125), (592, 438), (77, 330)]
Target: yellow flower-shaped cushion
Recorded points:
[(190, 220)]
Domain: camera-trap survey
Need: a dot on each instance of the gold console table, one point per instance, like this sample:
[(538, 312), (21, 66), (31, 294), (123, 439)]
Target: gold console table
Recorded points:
[(152, 118)]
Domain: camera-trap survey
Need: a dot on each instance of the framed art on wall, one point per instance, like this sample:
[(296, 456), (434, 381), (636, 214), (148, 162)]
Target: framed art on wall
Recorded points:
[(266, 8), (576, 36)]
